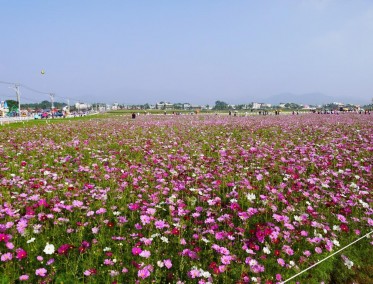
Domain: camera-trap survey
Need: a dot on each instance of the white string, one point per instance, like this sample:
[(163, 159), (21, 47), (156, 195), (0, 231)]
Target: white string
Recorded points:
[(326, 258)]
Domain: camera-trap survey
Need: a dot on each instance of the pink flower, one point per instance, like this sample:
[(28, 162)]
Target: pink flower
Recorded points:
[(108, 262), (307, 253), (101, 211), (281, 261), (24, 277), (42, 272), (160, 224), (6, 257), (145, 219), (51, 261), (318, 250), (288, 250), (145, 253), (194, 273), (167, 263), (226, 259), (143, 273), (90, 272), (21, 226), (77, 203)]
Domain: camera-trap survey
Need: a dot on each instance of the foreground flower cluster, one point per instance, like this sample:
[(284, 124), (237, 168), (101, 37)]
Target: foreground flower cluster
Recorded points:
[(183, 199)]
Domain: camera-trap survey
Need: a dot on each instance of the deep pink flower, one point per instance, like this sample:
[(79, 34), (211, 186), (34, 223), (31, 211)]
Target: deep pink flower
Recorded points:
[(64, 249), (136, 250), (4, 238), (21, 253)]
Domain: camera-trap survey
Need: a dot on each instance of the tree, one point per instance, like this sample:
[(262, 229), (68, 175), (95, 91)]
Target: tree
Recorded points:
[(45, 105), (12, 104), (219, 105), (292, 106)]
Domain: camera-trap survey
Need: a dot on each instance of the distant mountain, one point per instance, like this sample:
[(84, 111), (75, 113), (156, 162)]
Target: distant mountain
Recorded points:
[(308, 99)]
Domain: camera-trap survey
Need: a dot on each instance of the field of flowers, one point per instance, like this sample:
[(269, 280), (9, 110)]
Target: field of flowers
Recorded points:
[(187, 199)]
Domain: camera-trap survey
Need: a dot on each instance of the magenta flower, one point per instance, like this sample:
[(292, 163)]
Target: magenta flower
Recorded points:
[(4, 238), (64, 249), (136, 250), (21, 254)]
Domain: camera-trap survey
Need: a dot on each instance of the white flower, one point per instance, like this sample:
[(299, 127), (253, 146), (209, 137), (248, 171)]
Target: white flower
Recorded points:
[(206, 274), (49, 249), (336, 228), (297, 218), (37, 228), (31, 240), (164, 239), (266, 250), (160, 263), (107, 249), (251, 197)]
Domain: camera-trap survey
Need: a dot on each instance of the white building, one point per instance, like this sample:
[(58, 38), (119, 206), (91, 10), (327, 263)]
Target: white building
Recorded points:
[(257, 105), (82, 106)]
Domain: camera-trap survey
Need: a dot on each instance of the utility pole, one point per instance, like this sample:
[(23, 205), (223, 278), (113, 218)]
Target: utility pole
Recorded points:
[(52, 103), (52, 100), (68, 105), (16, 88)]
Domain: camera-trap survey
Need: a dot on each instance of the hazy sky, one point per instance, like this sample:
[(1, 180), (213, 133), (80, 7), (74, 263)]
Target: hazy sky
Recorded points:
[(186, 51)]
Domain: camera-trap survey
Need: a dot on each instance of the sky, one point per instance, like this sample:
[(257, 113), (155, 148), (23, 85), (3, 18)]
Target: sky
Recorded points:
[(135, 52)]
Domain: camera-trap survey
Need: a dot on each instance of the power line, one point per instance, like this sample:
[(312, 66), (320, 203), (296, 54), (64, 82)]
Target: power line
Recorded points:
[(8, 83), (37, 91), (33, 90)]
